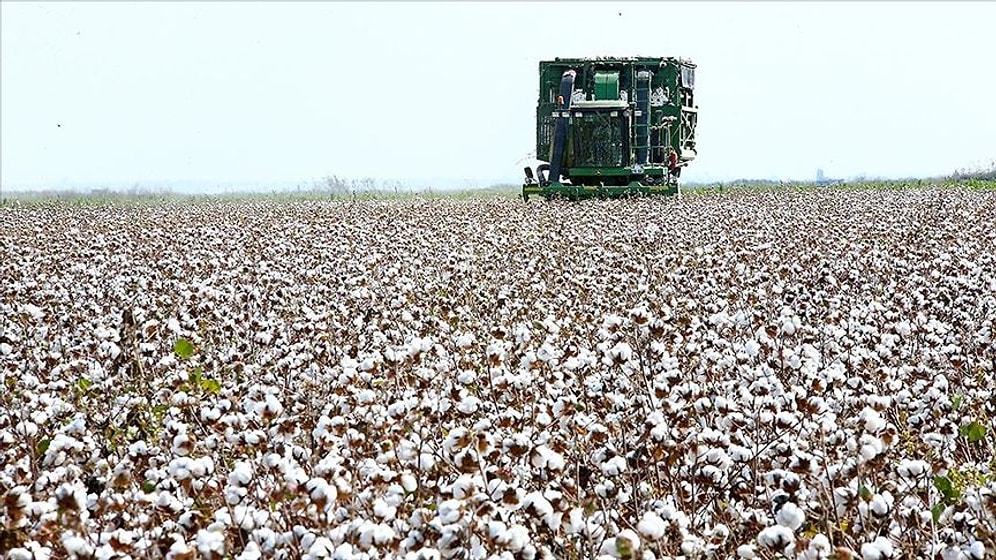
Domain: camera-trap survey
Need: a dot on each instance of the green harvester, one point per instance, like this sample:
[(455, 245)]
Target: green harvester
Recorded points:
[(612, 127)]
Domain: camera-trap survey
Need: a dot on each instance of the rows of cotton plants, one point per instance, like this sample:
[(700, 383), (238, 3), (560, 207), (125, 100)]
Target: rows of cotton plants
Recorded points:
[(752, 375)]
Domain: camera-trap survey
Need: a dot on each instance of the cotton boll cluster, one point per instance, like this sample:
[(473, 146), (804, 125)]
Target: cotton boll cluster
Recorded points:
[(436, 379)]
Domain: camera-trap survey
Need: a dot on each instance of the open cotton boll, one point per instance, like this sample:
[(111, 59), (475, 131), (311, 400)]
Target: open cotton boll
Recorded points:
[(879, 549), (321, 548), (913, 468), (241, 474), (747, 551), (776, 537), (652, 526), (76, 546), (469, 404), (623, 545), (791, 516), (614, 466), (210, 543)]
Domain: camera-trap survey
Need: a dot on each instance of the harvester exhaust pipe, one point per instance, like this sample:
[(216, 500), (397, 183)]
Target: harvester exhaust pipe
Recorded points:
[(560, 133), (642, 117)]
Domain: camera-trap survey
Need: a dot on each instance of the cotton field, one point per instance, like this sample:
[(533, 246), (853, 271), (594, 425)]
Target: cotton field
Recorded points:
[(746, 375)]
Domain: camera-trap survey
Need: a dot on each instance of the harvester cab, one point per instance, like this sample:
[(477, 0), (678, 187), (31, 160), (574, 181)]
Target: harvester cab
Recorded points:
[(612, 127)]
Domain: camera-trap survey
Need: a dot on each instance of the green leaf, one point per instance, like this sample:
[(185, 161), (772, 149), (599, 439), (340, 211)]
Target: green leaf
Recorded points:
[(624, 548), (865, 493), (84, 384), (212, 386), (148, 487), (937, 511), (43, 446), (973, 431), (183, 348), (956, 401), (946, 488)]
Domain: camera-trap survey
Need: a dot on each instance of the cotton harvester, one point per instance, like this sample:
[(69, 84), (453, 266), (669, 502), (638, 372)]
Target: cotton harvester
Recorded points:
[(610, 127)]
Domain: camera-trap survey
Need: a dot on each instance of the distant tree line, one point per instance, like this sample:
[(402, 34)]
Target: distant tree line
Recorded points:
[(336, 186), (985, 172)]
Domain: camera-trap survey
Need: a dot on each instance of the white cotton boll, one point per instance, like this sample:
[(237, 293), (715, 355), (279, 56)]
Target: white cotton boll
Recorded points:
[(321, 548), (776, 537), (426, 461), (608, 549), (19, 553), (456, 439), (469, 404), (449, 511), (976, 552), (241, 474), (747, 551), (320, 489), (273, 406), (181, 445), (242, 516), (424, 553), (202, 466), (572, 363), (873, 421), (546, 353), (651, 526), (409, 483), (554, 460), (752, 348), (881, 504), (913, 468), (739, 453), (210, 542), (621, 352), (465, 340), (870, 448), (366, 396), (250, 552), (382, 534), (625, 544), (879, 549), (540, 505), (384, 511), (179, 469), (614, 466), (791, 516), (820, 544), (575, 521), (74, 494), (496, 529), (76, 546), (518, 538)]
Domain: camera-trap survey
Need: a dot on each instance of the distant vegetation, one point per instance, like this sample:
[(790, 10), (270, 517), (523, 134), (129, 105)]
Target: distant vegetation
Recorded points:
[(338, 188)]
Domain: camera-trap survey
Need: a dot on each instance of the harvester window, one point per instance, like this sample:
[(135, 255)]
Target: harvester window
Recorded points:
[(687, 77), (598, 140)]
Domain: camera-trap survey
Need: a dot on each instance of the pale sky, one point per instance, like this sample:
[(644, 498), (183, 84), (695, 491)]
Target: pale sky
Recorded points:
[(226, 91)]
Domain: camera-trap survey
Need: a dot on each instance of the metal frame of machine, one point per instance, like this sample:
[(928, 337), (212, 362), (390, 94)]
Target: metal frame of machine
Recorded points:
[(612, 127)]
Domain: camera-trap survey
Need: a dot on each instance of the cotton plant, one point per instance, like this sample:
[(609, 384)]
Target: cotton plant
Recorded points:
[(437, 379)]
